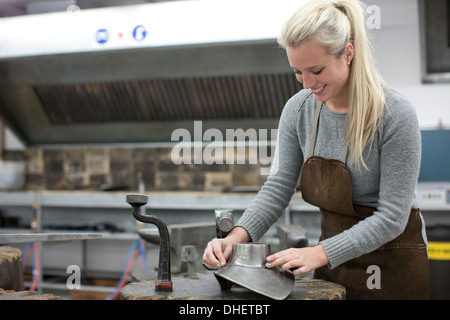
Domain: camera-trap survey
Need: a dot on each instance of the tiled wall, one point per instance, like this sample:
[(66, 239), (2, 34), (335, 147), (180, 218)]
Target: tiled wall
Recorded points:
[(110, 168)]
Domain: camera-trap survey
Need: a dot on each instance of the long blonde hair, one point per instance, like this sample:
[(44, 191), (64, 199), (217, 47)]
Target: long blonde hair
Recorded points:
[(334, 24)]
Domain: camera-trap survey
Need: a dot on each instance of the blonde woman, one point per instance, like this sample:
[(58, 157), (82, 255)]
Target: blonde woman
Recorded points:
[(355, 146)]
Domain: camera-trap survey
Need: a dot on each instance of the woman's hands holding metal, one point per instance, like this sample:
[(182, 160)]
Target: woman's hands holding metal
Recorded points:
[(303, 260), (218, 251)]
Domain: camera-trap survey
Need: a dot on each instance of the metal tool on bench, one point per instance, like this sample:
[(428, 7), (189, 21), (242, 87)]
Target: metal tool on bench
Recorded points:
[(246, 268), (187, 242), (246, 265), (163, 281), (224, 222)]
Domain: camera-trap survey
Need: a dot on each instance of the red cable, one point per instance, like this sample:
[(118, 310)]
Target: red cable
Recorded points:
[(36, 269), (127, 273)]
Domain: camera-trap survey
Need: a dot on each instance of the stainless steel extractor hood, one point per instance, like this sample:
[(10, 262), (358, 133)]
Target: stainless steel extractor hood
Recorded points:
[(136, 73)]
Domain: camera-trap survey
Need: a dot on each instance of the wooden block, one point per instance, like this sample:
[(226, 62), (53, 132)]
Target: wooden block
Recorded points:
[(25, 295), (206, 287), (11, 274)]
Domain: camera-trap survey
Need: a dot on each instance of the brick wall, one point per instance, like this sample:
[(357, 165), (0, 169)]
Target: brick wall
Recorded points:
[(110, 168)]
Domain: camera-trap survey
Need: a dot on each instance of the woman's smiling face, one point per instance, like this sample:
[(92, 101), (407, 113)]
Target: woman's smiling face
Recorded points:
[(325, 74)]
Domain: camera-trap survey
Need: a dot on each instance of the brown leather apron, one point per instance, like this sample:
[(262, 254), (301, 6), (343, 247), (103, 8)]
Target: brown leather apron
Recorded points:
[(402, 262)]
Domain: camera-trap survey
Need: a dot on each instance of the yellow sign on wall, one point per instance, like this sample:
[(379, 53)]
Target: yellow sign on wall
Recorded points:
[(439, 250)]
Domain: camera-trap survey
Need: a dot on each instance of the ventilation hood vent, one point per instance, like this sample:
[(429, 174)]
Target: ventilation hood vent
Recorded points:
[(65, 89)]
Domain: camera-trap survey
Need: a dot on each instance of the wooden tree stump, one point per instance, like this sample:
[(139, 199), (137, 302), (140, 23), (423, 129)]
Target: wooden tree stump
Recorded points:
[(11, 274), (206, 287), (26, 295)]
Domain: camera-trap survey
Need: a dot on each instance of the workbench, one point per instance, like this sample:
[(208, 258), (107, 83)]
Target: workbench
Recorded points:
[(204, 286)]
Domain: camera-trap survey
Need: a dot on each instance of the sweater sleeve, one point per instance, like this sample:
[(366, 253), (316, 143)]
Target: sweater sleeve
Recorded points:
[(277, 191), (399, 153)]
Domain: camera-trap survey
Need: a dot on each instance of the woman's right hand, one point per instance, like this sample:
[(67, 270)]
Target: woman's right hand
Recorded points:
[(218, 251)]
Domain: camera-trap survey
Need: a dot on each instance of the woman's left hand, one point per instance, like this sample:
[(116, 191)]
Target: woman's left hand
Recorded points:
[(303, 259)]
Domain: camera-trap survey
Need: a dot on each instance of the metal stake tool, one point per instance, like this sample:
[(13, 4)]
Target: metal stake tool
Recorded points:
[(164, 281)]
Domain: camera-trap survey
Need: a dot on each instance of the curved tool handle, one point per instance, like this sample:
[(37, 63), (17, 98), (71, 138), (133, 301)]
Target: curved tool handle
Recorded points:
[(164, 281)]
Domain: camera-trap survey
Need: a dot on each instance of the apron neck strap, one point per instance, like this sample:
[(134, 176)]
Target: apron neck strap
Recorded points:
[(312, 142)]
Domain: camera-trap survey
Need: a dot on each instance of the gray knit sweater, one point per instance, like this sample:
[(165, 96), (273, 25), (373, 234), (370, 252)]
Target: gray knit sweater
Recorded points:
[(389, 183)]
